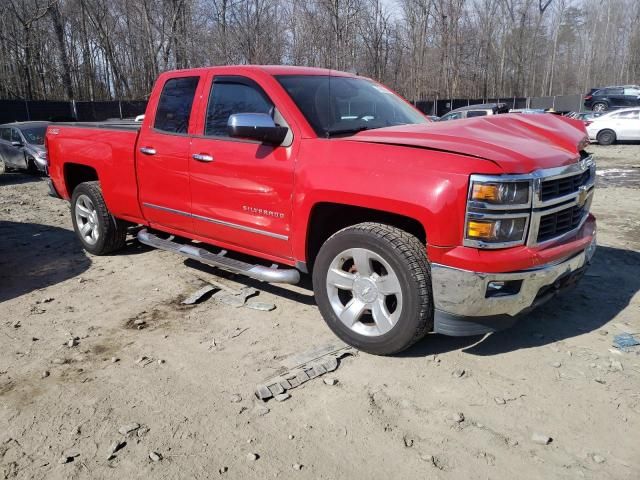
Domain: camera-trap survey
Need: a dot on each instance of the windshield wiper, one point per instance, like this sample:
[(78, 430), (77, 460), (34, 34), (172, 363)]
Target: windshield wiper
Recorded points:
[(347, 131)]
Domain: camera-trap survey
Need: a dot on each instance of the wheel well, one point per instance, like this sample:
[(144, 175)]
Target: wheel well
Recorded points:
[(75, 174), (328, 218)]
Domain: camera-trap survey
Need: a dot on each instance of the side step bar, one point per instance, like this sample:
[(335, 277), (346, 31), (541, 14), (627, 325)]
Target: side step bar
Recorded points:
[(259, 272)]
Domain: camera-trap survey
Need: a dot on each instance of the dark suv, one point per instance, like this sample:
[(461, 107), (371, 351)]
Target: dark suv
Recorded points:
[(610, 98)]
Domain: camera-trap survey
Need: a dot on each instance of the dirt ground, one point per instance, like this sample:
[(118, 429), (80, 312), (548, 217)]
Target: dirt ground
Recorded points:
[(449, 408)]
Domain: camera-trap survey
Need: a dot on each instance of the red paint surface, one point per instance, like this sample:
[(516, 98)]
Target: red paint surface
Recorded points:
[(419, 171)]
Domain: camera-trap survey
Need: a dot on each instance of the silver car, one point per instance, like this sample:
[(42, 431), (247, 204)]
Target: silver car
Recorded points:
[(22, 146)]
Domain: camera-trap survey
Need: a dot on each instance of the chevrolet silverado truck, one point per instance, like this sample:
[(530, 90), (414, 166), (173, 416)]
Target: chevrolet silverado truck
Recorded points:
[(406, 226)]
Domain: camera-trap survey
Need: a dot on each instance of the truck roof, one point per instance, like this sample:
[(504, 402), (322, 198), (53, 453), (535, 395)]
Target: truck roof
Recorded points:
[(273, 70)]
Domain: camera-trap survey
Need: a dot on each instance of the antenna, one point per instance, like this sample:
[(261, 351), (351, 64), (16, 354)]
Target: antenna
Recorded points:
[(329, 100)]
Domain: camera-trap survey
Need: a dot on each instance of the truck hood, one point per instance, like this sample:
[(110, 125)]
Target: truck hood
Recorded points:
[(517, 143)]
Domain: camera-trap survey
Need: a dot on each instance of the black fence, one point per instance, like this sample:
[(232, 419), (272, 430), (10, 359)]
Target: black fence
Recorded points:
[(560, 103), (22, 110)]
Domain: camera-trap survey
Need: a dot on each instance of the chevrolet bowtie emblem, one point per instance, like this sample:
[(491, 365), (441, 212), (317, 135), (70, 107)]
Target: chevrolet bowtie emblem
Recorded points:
[(583, 192)]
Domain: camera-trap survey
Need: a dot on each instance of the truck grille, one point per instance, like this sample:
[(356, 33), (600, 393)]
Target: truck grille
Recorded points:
[(559, 187), (555, 224)]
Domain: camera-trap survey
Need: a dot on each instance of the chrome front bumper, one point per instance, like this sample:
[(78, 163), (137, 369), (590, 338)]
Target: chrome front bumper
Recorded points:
[(461, 295)]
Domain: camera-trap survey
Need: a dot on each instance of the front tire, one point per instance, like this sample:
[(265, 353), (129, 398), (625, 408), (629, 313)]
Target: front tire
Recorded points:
[(372, 284), (32, 168), (99, 231), (606, 137)]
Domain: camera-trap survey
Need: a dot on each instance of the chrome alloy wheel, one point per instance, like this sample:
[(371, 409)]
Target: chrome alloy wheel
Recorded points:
[(364, 292), (87, 220)]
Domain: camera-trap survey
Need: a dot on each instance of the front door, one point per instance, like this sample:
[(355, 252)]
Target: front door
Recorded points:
[(163, 156), (241, 189), (12, 155)]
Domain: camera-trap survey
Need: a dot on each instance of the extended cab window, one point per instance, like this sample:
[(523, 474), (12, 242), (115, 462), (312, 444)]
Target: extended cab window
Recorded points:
[(476, 113), (174, 107), (230, 95)]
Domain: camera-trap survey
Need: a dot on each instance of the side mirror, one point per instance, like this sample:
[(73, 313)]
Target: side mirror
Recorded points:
[(256, 126), (17, 144)]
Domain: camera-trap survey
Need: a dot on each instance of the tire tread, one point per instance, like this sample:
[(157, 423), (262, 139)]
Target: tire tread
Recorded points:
[(413, 253)]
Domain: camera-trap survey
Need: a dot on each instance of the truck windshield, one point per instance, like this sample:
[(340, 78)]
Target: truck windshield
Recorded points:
[(347, 105)]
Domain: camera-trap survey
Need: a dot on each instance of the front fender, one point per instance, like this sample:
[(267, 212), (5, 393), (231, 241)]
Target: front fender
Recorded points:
[(428, 186)]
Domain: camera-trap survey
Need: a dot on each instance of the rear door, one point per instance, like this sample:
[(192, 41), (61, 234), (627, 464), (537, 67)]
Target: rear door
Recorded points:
[(241, 189), (627, 125), (163, 151), (616, 97), (632, 96)]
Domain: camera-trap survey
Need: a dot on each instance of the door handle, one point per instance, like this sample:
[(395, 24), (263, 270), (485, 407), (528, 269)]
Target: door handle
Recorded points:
[(202, 157), (148, 150)]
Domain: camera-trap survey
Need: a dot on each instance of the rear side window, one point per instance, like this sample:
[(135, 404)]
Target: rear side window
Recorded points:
[(476, 113), (233, 95), (5, 134), (15, 136), (174, 107), (613, 91)]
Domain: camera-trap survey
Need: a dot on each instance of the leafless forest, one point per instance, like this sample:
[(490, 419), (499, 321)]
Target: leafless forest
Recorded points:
[(106, 49)]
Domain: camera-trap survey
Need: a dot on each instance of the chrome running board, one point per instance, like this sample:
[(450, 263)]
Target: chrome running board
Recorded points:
[(258, 272)]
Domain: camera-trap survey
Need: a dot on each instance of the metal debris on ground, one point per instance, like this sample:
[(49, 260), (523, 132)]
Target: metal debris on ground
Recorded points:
[(261, 306), (303, 367), (197, 296), (625, 342), (237, 299)]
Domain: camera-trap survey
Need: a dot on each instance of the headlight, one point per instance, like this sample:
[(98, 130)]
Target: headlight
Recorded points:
[(501, 193), (498, 211), (497, 230)]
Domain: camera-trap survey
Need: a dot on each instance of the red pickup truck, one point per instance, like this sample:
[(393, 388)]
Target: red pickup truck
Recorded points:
[(407, 226)]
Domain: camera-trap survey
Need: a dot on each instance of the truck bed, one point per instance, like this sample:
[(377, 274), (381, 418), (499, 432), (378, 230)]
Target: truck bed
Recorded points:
[(111, 125), (108, 149)]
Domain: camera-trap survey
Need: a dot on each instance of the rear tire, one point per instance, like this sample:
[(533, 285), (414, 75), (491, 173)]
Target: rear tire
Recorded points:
[(600, 107), (372, 284), (99, 231), (606, 137)]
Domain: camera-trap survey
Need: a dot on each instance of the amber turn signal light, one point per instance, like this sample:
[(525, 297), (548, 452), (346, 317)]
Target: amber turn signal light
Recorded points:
[(484, 192), (479, 230)]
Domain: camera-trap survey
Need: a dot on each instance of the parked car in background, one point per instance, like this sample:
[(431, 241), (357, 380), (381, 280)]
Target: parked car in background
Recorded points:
[(528, 111), (480, 110), (610, 98), (584, 116), (619, 125), (433, 118), (22, 146)]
